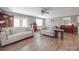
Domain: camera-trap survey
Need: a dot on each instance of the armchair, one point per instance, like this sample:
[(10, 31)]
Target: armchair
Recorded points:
[(49, 31)]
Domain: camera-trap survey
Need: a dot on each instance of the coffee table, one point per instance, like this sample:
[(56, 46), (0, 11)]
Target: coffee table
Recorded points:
[(56, 33)]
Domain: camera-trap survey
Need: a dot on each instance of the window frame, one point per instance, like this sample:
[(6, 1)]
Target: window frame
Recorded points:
[(38, 20), (67, 19)]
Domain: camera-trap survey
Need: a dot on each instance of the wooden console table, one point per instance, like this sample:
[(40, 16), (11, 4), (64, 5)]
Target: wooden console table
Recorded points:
[(59, 30)]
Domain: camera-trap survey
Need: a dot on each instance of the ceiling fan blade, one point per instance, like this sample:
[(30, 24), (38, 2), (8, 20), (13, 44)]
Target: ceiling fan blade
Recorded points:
[(45, 10)]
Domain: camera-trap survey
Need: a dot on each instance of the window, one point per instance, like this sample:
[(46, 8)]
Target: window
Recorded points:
[(39, 22), (24, 23), (67, 20), (20, 22), (16, 23)]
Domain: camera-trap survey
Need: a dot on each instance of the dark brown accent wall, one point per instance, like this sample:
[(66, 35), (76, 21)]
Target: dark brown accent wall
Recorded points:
[(10, 21), (7, 18)]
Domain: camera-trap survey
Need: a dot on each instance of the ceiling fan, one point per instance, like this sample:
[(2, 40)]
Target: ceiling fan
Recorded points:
[(45, 10)]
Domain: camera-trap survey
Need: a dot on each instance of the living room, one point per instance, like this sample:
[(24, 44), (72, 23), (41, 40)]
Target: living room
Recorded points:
[(39, 28)]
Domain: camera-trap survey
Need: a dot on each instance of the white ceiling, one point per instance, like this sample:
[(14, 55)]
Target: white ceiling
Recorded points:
[(36, 11)]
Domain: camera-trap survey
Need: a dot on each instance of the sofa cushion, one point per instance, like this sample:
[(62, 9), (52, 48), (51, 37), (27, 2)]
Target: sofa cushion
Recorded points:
[(15, 30), (6, 30), (28, 29), (19, 36)]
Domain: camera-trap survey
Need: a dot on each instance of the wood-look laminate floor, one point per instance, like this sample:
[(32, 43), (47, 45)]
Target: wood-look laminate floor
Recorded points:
[(44, 43)]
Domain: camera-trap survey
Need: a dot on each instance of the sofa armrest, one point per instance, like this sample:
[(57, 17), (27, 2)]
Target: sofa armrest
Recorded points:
[(3, 36), (44, 28)]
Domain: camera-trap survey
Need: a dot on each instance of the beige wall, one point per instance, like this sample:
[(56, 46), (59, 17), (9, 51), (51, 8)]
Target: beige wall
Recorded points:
[(74, 19), (47, 22), (59, 21), (31, 20)]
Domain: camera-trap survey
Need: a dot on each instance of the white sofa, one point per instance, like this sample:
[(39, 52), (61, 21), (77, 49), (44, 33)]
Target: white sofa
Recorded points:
[(10, 35), (48, 31)]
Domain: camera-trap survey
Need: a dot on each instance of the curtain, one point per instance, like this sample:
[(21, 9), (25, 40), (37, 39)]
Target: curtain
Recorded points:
[(21, 21)]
